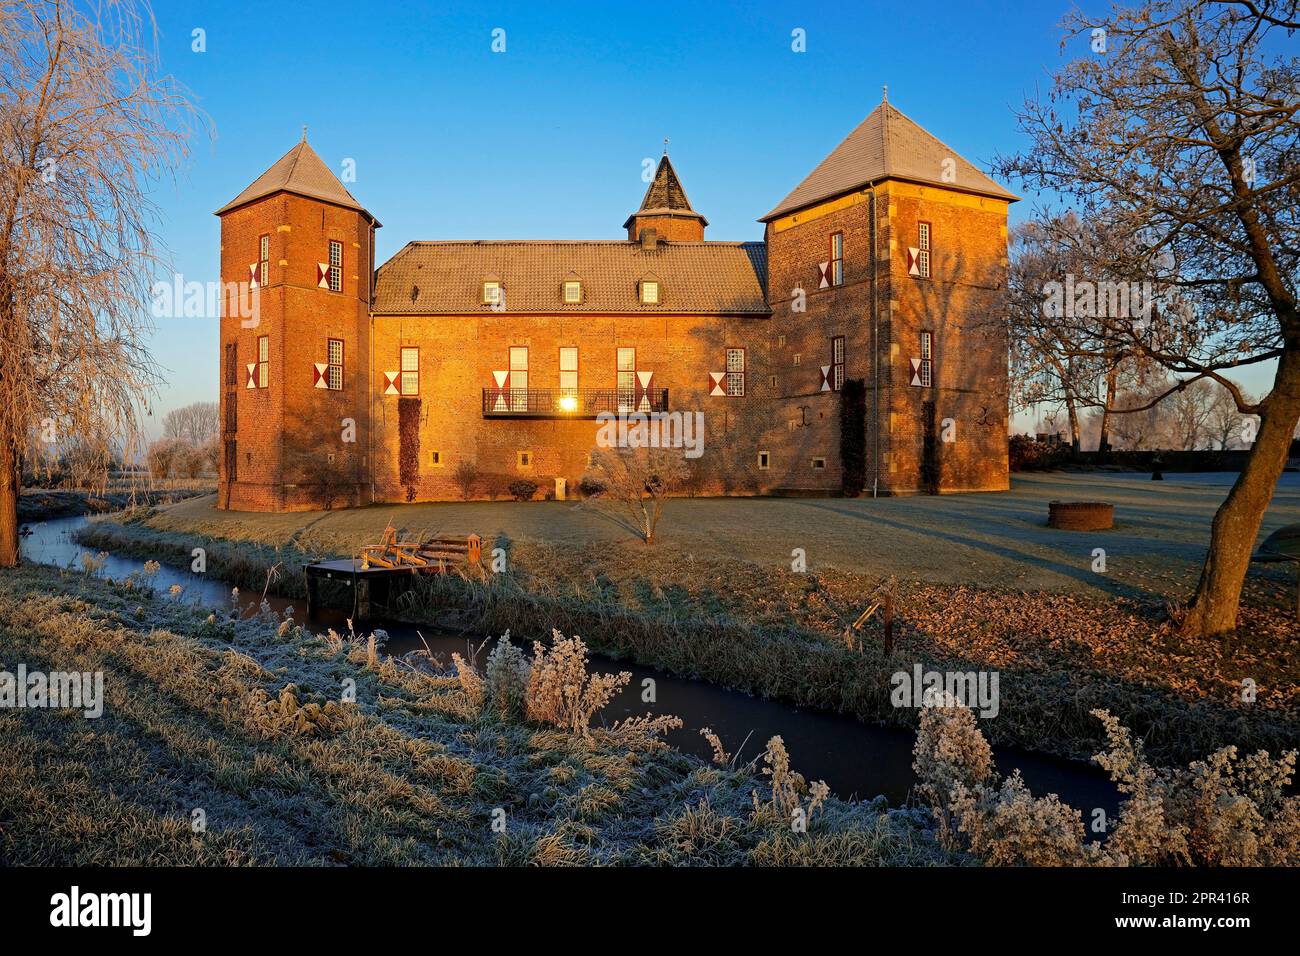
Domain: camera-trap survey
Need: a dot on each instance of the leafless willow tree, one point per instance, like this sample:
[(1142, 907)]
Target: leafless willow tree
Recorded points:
[(1179, 118), (87, 127)]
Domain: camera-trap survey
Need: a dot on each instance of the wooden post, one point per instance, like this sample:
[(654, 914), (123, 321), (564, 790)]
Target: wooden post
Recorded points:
[(889, 622)]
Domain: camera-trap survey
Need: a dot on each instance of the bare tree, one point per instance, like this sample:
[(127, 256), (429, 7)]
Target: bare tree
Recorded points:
[(637, 482), (195, 423), (87, 126), (1182, 121), (1189, 414), (1227, 426)]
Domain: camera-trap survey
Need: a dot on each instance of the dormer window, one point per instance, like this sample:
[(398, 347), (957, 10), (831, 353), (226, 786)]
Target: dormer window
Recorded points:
[(572, 291), (491, 292), (649, 291)]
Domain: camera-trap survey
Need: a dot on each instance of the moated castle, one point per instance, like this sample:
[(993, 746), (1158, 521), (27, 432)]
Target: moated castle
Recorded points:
[(887, 264)]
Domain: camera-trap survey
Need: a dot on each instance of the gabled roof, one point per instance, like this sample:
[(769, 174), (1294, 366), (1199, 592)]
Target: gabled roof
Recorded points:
[(665, 196), (302, 172), (711, 278), (887, 145)]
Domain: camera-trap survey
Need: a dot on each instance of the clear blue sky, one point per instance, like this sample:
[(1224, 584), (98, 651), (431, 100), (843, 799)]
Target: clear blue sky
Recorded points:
[(546, 140)]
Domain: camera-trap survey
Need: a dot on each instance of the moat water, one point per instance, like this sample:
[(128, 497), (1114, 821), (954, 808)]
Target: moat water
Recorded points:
[(857, 760)]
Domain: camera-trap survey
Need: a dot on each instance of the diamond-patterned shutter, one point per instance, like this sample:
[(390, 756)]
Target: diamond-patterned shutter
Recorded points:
[(717, 384), (322, 275)]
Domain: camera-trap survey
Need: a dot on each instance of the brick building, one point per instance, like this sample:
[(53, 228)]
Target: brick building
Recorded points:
[(885, 266)]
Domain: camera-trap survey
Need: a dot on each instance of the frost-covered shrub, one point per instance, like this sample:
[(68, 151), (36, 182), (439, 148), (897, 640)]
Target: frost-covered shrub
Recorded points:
[(471, 682), (1009, 826), (561, 692), (788, 788), (950, 752), (1221, 811), (507, 679)]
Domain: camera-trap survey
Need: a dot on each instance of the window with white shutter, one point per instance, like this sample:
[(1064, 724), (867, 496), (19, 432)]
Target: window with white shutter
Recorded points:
[(735, 372), (335, 358), (263, 361), (336, 266), (410, 384)]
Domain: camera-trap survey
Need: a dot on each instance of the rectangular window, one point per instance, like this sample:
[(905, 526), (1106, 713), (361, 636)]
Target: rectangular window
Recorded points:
[(334, 377), (626, 378), (491, 293), (568, 369), (336, 266), (927, 359), (572, 291), (837, 258), (817, 464), (263, 260), (435, 459), (923, 244), (837, 362), (263, 361), (410, 370), (764, 460), (518, 378), (649, 292), (735, 372)]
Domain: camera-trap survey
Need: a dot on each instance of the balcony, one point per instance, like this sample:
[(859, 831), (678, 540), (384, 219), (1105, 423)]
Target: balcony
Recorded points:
[(568, 403)]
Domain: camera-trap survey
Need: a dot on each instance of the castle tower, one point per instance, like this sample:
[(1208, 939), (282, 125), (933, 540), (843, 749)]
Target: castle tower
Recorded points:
[(888, 265), (295, 362), (666, 210)]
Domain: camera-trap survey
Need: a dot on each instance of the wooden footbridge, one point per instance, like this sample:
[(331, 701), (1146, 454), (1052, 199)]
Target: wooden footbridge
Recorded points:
[(369, 576)]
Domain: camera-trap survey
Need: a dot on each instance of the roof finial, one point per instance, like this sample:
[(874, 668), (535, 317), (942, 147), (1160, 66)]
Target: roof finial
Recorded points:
[(304, 132), (665, 145), (884, 93)]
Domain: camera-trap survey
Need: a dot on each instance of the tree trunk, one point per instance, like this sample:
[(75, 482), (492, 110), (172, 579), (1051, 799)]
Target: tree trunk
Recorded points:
[(9, 486), (1076, 439), (1103, 440), (1236, 524)]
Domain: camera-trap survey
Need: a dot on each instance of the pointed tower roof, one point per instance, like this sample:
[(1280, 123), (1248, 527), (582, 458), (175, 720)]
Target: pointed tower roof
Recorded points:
[(887, 145), (302, 172), (665, 196)]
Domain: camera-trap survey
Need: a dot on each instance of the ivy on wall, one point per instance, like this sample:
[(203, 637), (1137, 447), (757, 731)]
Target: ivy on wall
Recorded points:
[(408, 437), (853, 436)]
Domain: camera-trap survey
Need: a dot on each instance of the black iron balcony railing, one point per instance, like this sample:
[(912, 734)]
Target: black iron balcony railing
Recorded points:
[(569, 403)]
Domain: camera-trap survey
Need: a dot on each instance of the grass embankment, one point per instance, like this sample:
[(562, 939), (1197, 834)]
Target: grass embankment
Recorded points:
[(244, 721), (41, 504), (764, 630)]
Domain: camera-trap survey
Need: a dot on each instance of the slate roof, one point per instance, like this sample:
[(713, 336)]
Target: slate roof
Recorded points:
[(665, 196), (886, 144), (300, 171), (427, 278)]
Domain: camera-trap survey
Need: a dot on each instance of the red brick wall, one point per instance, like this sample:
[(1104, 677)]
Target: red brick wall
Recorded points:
[(673, 228), (458, 355), (960, 304), (290, 435)]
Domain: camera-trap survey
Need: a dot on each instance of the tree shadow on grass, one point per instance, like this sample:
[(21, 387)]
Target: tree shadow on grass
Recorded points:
[(1084, 575)]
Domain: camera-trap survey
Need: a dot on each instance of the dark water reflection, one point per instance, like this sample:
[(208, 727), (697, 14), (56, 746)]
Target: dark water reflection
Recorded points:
[(855, 759)]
